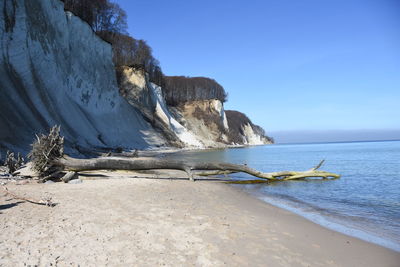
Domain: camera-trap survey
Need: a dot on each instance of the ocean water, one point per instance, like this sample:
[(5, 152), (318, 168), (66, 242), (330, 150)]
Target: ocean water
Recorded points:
[(364, 202)]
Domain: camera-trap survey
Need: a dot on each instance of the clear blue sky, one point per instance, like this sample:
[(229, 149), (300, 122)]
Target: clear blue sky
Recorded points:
[(290, 65)]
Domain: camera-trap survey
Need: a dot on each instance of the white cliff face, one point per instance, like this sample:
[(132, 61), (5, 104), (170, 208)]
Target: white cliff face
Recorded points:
[(219, 107), (163, 113), (252, 138), (147, 97), (55, 70), (192, 130), (206, 119)]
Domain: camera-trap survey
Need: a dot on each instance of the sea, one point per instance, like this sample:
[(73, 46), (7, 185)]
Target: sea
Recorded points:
[(364, 202)]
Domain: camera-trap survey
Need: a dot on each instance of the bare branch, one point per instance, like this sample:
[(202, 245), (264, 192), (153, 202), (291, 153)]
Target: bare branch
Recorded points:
[(46, 201), (318, 166)]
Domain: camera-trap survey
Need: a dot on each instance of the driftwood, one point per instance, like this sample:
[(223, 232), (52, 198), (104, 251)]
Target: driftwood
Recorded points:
[(69, 176), (133, 154), (108, 163), (13, 163), (46, 201), (49, 162), (45, 149)]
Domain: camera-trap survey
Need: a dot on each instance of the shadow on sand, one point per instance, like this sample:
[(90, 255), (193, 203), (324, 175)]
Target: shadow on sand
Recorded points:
[(10, 205)]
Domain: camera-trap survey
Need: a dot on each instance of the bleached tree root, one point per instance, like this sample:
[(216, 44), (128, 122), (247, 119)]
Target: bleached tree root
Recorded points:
[(107, 163)]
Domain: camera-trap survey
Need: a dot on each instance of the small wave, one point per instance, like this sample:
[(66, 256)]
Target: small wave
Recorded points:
[(315, 214)]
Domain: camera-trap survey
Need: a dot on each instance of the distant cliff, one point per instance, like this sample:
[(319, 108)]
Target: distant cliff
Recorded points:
[(55, 70), (243, 131), (186, 121), (198, 103)]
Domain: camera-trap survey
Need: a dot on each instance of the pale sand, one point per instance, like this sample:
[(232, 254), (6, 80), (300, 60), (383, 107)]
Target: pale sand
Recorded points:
[(152, 222)]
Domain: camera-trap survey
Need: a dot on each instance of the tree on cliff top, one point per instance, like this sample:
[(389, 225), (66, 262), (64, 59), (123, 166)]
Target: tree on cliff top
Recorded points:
[(102, 15), (108, 20), (180, 89), (128, 51)]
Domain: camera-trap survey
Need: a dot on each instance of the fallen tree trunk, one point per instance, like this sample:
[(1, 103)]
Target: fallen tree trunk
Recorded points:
[(49, 162), (109, 163)]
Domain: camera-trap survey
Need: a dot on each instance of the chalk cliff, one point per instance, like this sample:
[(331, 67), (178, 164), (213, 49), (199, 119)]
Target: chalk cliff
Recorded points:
[(242, 131), (55, 70), (147, 97), (200, 123), (215, 127), (206, 119)]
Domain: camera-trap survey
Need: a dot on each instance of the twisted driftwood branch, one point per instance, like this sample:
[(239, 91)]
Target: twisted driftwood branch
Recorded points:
[(46, 201), (107, 163)]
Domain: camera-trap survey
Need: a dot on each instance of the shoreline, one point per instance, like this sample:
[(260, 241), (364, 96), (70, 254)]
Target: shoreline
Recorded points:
[(367, 231), (173, 150), (337, 226), (169, 221)]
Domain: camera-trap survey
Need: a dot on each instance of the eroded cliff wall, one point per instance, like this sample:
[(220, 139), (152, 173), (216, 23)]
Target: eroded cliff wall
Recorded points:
[(206, 119), (242, 131), (55, 70), (198, 124), (148, 98), (214, 127)]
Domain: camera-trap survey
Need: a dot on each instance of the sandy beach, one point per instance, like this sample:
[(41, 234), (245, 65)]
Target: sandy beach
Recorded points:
[(167, 222)]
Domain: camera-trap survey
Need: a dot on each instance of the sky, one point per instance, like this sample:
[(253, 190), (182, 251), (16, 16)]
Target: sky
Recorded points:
[(296, 68)]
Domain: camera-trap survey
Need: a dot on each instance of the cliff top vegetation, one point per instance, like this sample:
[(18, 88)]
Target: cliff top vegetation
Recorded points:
[(180, 89), (109, 21)]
